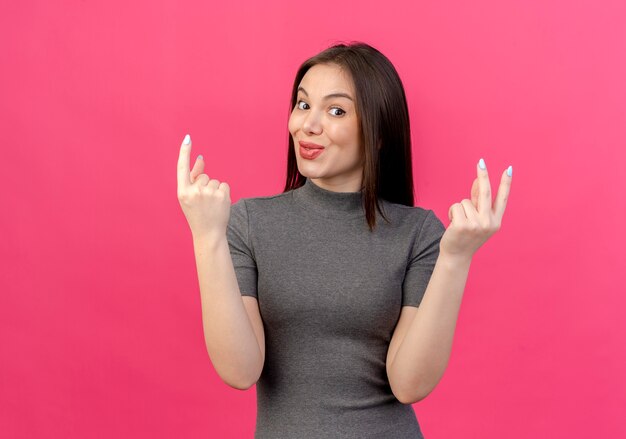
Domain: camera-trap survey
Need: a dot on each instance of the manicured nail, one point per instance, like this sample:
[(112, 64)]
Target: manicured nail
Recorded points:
[(187, 140), (481, 164), (200, 157), (509, 171)]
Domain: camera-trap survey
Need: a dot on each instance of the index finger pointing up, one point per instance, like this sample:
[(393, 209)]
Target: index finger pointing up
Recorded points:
[(183, 171), (484, 188)]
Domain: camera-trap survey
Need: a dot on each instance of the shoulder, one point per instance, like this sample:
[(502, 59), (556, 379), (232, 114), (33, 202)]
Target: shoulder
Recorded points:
[(248, 211), (248, 215), (416, 223), (417, 216), (264, 203)]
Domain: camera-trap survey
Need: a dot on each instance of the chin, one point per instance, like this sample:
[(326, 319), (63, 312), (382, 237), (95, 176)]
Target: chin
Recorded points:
[(307, 169), (309, 174), (311, 171)]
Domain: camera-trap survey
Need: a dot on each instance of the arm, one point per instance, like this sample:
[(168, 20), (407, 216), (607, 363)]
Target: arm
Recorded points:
[(426, 341), (233, 343), (423, 354)]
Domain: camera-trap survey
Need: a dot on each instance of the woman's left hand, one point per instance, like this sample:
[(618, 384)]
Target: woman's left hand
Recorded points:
[(473, 222)]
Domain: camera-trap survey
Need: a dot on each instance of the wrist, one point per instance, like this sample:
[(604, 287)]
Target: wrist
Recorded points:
[(208, 238), (456, 259)]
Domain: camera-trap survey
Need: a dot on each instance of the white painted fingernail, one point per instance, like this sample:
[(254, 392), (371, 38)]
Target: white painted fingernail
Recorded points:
[(481, 164), (187, 140)]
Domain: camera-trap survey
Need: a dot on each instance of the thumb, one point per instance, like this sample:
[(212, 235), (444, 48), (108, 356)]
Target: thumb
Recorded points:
[(198, 168)]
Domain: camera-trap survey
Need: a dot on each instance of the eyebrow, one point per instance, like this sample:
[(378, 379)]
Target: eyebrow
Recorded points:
[(332, 95)]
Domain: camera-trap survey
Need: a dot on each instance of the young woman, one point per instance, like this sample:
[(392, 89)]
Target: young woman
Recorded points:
[(338, 298)]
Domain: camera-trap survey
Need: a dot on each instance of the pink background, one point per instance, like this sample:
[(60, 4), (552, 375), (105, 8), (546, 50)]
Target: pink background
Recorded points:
[(100, 319)]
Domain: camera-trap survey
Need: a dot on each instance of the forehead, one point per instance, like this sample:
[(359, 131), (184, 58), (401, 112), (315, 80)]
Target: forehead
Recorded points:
[(322, 79)]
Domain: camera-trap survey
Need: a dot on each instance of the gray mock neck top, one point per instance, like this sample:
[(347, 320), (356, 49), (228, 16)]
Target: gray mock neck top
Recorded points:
[(328, 203), (330, 292)]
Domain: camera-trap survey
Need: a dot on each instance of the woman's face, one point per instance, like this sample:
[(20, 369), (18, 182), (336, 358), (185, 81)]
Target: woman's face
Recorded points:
[(331, 122)]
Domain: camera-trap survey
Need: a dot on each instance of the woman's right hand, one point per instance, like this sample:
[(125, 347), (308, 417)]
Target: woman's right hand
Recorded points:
[(205, 202)]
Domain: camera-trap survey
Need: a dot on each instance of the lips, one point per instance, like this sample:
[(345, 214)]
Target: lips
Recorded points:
[(310, 145)]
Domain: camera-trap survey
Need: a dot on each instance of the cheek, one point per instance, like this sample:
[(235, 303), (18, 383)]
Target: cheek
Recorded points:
[(293, 123), (345, 135), (290, 124)]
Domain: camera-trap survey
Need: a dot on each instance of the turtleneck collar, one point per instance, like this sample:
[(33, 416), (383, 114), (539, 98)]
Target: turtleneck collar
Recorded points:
[(329, 204)]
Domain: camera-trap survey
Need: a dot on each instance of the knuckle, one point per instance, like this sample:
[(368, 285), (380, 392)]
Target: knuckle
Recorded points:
[(473, 226), (182, 194), (468, 226)]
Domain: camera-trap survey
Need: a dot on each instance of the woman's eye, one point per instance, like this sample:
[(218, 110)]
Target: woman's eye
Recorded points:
[(341, 112)]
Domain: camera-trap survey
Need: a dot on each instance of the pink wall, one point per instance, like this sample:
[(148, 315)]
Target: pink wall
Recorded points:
[(100, 324)]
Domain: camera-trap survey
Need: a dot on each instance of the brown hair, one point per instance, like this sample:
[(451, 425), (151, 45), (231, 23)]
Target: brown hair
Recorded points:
[(383, 115)]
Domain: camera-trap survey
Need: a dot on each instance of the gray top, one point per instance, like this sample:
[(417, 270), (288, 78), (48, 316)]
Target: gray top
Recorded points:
[(330, 294)]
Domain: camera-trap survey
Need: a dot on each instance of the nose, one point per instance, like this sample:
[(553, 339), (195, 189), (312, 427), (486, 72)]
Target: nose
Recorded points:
[(312, 123)]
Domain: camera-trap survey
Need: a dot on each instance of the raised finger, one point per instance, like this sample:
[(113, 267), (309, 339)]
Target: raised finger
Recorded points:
[(182, 168), (484, 188), (503, 193)]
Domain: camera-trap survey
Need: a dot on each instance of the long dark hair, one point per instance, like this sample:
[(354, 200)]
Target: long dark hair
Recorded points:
[(383, 116)]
